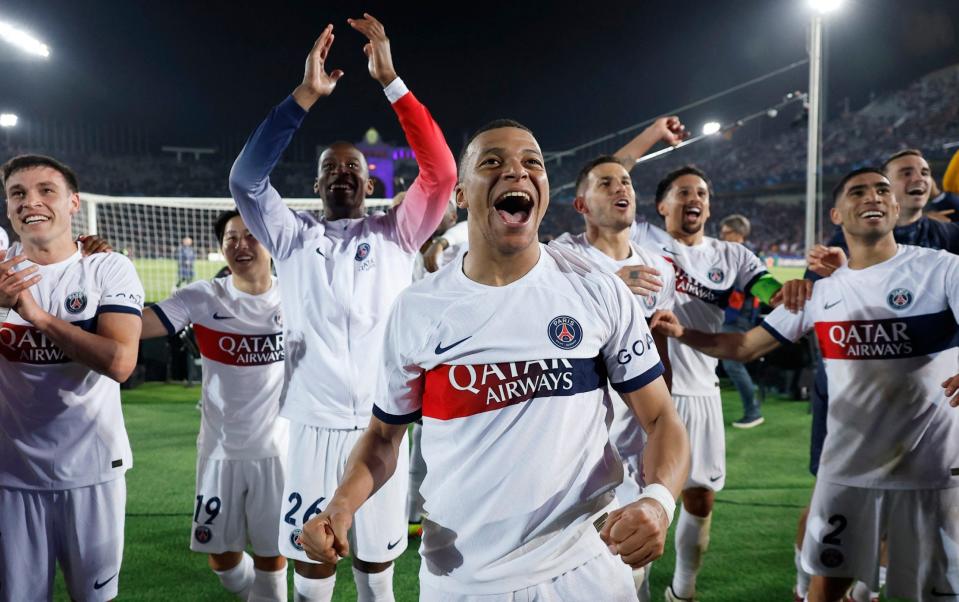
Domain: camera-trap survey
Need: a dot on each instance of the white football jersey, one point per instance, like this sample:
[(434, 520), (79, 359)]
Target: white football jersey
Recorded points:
[(4, 239), (706, 276), (458, 239), (510, 383), (888, 339), (60, 422), (625, 431), (240, 337)]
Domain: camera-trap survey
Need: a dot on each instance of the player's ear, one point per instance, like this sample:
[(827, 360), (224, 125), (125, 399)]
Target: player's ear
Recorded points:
[(74, 203), (316, 185), (579, 204), (460, 196), (369, 186), (661, 209), (834, 216)]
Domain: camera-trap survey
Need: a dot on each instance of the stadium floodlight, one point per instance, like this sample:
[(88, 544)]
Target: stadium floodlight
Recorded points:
[(23, 40), (825, 6), (8, 120), (711, 127)]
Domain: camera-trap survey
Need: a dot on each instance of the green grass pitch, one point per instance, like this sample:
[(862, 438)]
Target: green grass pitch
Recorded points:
[(750, 555)]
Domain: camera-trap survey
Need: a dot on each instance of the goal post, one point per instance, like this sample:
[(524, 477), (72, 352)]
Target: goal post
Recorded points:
[(150, 231)]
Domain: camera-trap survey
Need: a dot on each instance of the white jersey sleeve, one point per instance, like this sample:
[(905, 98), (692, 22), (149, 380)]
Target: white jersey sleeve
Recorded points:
[(666, 298), (174, 311), (951, 280), (750, 267), (400, 397), (4, 239), (122, 289), (787, 327), (632, 361)]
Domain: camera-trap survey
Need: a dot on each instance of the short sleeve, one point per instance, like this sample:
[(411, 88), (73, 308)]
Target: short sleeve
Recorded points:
[(630, 355), (666, 299), (400, 381), (951, 279), (174, 311), (121, 286), (750, 268), (785, 326)]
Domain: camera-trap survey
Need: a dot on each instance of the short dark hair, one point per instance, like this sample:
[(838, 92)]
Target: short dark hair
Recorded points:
[(21, 162), (737, 223), (590, 166), (219, 226), (492, 125), (906, 152), (662, 189), (841, 185)]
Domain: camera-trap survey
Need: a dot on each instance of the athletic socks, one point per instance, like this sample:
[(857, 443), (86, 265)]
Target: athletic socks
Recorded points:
[(802, 577), (641, 581), (313, 590), (692, 539), (374, 587), (239, 579), (268, 586)]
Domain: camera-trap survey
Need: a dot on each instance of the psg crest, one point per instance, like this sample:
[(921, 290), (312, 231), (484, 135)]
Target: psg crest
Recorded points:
[(76, 302), (362, 251), (899, 298), (649, 301), (715, 275), (293, 541), (565, 332), (203, 534)]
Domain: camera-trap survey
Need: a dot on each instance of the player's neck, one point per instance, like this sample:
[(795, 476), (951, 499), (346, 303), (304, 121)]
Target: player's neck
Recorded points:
[(690, 240), (336, 213), (612, 243), (484, 265), (50, 252), (253, 284), (867, 253), (909, 216)]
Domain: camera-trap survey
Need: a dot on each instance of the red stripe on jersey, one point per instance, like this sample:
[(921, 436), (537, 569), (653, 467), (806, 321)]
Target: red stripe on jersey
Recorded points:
[(892, 338), (236, 349), (27, 345), (457, 391)]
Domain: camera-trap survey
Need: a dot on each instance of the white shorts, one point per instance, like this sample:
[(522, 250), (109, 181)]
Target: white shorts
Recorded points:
[(604, 577), (703, 417), (236, 501), (628, 491), (315, 464), (921, 527), (81, 528)]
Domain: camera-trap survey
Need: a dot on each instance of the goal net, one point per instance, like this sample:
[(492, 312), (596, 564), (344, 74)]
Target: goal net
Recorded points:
[(150, 231)]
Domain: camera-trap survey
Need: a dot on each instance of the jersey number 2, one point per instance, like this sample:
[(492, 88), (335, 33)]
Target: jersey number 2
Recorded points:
[(297, 501)]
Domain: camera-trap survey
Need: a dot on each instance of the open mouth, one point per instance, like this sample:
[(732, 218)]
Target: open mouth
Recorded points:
[(342, 186), (514, 207), (872, 215), (622, 203), (917, 191), (243, 258), (692, 212), (35, 219)]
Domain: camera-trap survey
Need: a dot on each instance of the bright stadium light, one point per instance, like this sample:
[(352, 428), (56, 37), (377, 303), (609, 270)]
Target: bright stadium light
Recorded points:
[(825, 6), (23, 40), (8, 120), (711, 127)]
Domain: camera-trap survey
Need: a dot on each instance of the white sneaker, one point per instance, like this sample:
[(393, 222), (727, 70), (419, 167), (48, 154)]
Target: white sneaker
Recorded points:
[(742, 423)]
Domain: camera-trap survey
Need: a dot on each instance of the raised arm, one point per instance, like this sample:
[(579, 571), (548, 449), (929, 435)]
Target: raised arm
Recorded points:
[(667, 129), (260, 205), (371, 463), (427, 198)]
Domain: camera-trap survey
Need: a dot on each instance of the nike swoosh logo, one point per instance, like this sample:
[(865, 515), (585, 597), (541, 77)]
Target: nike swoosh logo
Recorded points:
[(440, 350), (833, 304), (716, 478), (944, 594), (98, 585), (319, 252), (390, 546), (219, 317), (665, 250)]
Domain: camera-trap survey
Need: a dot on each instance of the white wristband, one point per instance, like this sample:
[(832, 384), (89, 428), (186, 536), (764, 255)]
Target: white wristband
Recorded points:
[(662, 495), (395, 90), (4, 312)]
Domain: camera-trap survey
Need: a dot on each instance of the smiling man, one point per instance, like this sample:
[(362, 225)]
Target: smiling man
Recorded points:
[(505, 354), (69, 333), (239, 469), (708, 271), (338, 276), (886, 324)]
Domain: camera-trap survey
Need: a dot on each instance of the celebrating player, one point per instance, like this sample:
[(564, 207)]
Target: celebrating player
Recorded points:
[(338, 276), (70, 329), (239, 475), (606, 199), (505, 354), (707, 273), (886, 325)]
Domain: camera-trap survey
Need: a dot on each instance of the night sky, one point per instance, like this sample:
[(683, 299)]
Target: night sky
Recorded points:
[(202, 72)]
